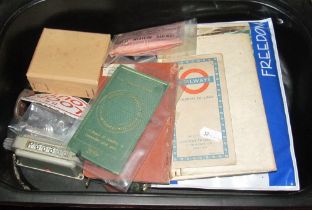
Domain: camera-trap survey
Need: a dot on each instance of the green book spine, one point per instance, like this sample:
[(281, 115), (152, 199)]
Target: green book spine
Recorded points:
[(110, 130)]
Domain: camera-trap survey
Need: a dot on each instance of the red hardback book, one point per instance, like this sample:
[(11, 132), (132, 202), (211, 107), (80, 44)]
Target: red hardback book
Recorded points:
[(156, 166)]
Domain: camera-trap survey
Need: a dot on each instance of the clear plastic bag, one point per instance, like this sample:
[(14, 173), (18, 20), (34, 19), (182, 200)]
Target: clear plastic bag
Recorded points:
[(152, 41), (130, 59), (38, 139), (122, 177), (41, 122), (112, 63), (19, 110), (188, 46)]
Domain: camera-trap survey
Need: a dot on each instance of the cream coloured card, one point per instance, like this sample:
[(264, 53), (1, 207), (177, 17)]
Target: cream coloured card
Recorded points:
[(203, 128)]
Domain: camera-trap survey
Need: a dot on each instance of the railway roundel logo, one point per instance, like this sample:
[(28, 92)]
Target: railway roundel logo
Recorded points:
[(201, 82)]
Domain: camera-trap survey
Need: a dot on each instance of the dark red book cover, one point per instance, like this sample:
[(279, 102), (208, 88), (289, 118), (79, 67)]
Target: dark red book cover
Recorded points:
[(156, 166)]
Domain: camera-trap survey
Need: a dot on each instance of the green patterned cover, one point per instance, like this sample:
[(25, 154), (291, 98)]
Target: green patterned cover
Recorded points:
[(118, 117)]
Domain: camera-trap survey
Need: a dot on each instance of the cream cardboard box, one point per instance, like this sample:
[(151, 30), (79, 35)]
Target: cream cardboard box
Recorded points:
[(68, 62)]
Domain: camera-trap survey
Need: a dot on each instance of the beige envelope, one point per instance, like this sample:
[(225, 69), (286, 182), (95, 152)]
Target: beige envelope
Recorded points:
[(254, 153)]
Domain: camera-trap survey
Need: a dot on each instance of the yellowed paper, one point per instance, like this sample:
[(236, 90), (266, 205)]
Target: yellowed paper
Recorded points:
[(252, 141), (203, 130)]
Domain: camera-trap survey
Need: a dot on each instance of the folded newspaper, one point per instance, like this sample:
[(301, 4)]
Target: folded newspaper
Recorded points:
[(260, 120)]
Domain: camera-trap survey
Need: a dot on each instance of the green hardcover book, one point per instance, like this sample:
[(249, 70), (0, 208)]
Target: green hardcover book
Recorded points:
[(110, 130)]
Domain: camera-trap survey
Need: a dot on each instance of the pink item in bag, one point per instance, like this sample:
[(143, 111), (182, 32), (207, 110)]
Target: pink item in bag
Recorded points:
[(148, 41)]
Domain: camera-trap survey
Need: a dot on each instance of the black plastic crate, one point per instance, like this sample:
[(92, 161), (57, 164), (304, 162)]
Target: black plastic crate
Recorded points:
[(21, 22)]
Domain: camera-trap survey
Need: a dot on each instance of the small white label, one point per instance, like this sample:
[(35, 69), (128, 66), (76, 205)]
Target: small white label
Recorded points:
[(210, 134), (108, 70)]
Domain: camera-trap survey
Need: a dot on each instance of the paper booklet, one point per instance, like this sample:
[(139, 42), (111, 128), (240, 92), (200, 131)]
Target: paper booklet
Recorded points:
[(252, 141), (203, 128)]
